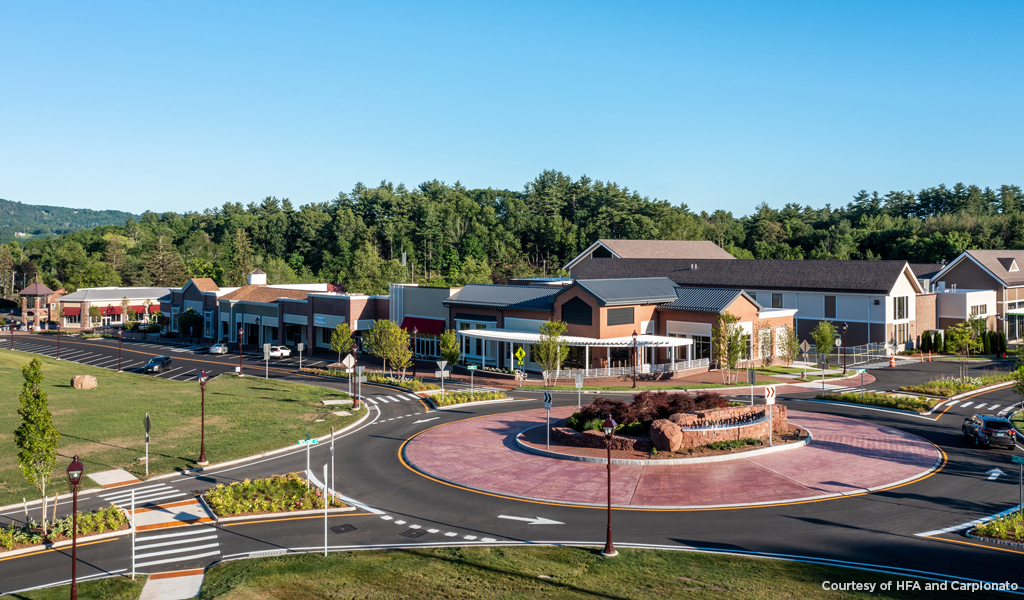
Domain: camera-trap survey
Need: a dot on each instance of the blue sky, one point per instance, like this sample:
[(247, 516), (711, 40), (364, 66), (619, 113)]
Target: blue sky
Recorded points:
[(187, 105)]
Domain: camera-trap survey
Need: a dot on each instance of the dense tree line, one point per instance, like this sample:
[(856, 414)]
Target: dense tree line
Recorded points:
[(37, 220), (451, 235)]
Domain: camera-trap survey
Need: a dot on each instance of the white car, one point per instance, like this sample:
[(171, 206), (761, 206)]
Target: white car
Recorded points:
[(280, 352), (219, 349)]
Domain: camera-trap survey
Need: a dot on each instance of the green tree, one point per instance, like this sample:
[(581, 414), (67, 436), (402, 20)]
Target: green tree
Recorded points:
[(789, 345), (926, 341), (824, 335), (341, 339), (36, 437), (765, 343), (241, 257), (390, 342), (727, 342), (961, 339), (449, 346), (95, 317), (190, 323), (551, 350)]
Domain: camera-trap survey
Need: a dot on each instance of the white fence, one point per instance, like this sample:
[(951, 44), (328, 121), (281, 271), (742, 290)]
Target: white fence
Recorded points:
[(855, 355), (641, 369)]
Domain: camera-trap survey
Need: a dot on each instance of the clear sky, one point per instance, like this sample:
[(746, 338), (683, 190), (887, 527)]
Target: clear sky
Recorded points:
[(187, 105)]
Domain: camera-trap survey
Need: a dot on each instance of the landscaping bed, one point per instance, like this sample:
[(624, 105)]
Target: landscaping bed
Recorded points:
[(951, 386), (630, 388), (885, 400), (16, 537), (1008, 528), (269, 495), (779, 438), (413, 384), (451, 398)]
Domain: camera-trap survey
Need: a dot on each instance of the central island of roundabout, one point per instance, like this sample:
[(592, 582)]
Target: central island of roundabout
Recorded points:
[(507, 455)]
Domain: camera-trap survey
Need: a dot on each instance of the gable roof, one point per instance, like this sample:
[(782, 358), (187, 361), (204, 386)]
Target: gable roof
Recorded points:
[(35, 289), (706, 300), (830, 276), (996, 262), (263, 293), (926, 271), (611, 292), (203, 284), (655, 249), (520, 297)]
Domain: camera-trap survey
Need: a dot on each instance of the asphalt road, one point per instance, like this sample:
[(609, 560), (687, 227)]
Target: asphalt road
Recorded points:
[(401, 508)]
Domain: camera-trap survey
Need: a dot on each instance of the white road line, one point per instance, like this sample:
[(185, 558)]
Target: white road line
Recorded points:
[(176, 551), (176, 559), (469, 537), (164, 536), (415, 527), (952, 404), (386, 517), (966, 404), (391, 398), (382, 399), (177, 543), (399, 522), (137, 490), (488, 540), (161, 374), (433, 530), (979, 407), (185, 374), (993, 406), (370, 400), (450, 534)]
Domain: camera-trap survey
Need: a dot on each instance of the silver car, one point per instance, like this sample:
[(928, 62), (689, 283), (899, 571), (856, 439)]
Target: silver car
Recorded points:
[(219, 348)]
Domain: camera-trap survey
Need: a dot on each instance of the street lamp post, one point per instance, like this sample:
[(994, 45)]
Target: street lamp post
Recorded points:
[(634, 358), (75, 470), (203, 378), (415, 332), (241, 332), (609, 432), (845, 327), (119, 332), (58, 341)]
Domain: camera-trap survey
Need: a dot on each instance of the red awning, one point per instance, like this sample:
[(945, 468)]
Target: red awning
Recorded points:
[(407, 323), (72, 311), (436, 326), (110, 310), (140, 309), (423, 326)]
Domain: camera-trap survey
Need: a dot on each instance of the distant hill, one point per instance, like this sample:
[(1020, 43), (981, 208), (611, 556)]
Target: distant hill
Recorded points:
[(37, 220)]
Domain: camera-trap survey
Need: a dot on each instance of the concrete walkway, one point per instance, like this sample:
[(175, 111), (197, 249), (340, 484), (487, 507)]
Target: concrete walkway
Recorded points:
[(847, 456), (176, 585)]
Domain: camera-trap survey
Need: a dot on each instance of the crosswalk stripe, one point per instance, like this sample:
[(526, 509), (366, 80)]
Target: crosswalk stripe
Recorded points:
[(993, 406), (391, 398), (163, 536), (370, 400), (176, 559), (145, 488), (212, 536), (979, 407), (176, 551), (382, 399), (966, 404)]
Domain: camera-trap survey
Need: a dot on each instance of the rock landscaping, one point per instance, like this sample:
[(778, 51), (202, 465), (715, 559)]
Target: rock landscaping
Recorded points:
[(84, 382)]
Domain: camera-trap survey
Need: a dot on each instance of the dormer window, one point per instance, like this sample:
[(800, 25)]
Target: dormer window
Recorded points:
[(1013, 267)]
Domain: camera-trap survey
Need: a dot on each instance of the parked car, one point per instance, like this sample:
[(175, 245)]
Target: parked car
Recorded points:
[(158, 364), (989, 430), (280, 352), (219, 348)]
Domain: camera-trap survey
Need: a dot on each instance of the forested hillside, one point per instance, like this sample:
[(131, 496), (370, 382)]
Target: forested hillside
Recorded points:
[(37, 220), (453, 235)]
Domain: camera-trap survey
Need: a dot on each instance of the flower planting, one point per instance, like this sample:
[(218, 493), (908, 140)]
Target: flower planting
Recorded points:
[(450, 398), (277, 494), (951, 386), (1009, 527), (16, 536), (873, 399)]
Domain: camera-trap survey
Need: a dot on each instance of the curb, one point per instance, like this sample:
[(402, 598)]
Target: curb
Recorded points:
[(453, 406), (666, 462), (992, 540), (64, 543), (297, 513), (855, 405)]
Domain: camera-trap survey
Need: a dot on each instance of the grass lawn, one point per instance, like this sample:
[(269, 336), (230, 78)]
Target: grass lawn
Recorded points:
[(244, 416), (779, 370), (1017, 419), (901, 402), (947, 387), (628, 388), (111, 588), (530, 573)]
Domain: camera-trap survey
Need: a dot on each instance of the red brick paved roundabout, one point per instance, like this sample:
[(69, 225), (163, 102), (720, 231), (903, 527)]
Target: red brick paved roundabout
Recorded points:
[(846, 456)]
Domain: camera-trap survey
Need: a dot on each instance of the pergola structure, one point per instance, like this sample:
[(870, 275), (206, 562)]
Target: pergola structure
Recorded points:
[(35, 305), (645, 344)]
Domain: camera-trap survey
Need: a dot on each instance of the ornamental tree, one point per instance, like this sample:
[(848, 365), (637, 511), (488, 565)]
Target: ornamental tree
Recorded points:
[(36, 437)]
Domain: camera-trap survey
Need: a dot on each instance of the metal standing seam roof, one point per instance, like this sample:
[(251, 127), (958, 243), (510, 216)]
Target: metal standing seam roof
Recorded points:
[(520, 297), (706, 300), (106, 294), (644, 290)]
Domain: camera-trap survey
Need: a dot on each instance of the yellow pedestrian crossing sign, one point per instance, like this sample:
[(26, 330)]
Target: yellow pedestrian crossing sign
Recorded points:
[(520, 355)]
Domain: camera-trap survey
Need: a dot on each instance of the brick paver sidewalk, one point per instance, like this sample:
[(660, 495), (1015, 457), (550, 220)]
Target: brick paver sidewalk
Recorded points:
[(846, 456)]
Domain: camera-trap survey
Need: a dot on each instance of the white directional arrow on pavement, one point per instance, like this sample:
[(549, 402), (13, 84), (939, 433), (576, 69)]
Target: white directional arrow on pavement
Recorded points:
[(532, 520), (425, 420), (994, 474)]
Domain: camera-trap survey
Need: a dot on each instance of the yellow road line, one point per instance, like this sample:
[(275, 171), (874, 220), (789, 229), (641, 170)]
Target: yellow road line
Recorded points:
[(61, 548), (973, 544)]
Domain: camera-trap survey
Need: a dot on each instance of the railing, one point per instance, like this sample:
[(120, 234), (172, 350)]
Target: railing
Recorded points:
[(855, 355), (641, 369)]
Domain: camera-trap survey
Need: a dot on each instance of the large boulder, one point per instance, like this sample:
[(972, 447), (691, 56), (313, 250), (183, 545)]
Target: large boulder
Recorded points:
[(83, 382), (666, 435)]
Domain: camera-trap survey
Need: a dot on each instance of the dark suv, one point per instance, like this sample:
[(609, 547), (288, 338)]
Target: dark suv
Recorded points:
[(158, 364), (988, 430)]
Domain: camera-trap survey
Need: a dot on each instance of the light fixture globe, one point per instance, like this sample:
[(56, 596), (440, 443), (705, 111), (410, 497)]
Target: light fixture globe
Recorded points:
[(634, 335), (75, 470), (609, 426)]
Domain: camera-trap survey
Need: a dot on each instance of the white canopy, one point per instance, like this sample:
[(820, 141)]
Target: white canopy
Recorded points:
[(522, 337)]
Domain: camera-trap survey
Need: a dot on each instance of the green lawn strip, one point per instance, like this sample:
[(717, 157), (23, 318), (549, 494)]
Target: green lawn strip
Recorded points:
[(627, 388), (534, 572), (451, 398), (118, 587), (1017, 419), (779, 370), (413, 384), (948, 387), (244, 416), (915, 404)]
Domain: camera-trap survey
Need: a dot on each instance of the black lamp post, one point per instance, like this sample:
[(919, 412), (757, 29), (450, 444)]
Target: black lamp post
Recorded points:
[(119, 332), (203, 378), (415, 332), (58, 341), (609, 432), (241, 332), (845, 327), (634, 358), (75, 470)]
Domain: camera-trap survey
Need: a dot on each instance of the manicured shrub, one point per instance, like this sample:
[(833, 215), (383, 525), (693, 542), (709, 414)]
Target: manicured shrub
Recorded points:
[(1002, 343), (926, 341), (986, 343)]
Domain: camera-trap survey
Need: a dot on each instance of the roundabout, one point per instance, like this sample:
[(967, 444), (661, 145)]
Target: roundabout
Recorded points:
[(846, 457)]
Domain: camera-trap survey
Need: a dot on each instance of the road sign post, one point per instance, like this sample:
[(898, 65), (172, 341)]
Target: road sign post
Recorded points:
[(769, 399), (300, 347), (861, 371), (547, 407), (472, 370), (309, 441), (805, 348), (1019, 459), (441, 364), (266, 359), (751, 379), (359, 385), (333, 484), (146, 423), (327, 502), (579, 391)]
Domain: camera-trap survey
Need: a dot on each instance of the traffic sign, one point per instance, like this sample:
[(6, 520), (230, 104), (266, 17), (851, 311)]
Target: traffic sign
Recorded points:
[(360, 379), (520, 355), (547, 400), (839, 342), (349, 361), (441, 364), (301, 346), (442, 374), (359, 370), (751, 376), (146, 423), (769, 394), (309, 442), (861, 371), (472, 367), (805, 347), (1017, 458), (579, 381)]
